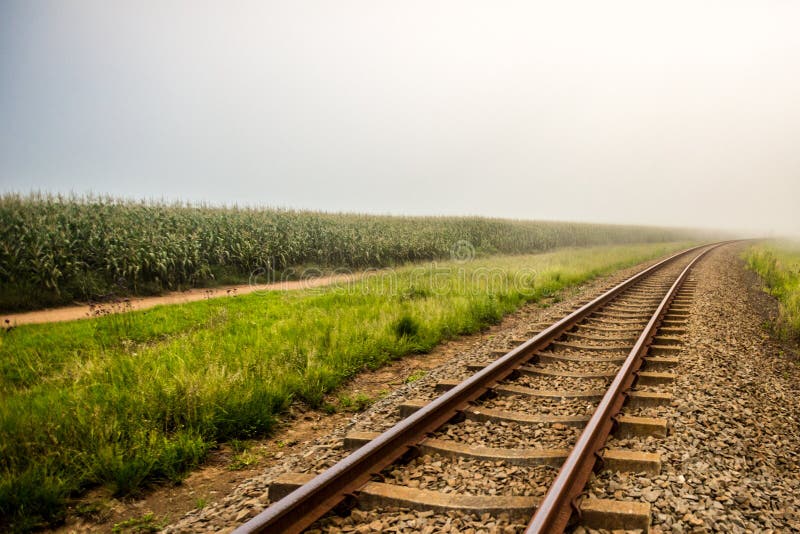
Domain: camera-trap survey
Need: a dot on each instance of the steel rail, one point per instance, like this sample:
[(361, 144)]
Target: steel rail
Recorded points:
[(311, 501), (555, 510)]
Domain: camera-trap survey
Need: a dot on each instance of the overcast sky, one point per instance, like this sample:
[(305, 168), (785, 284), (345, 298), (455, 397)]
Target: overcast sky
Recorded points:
[(669, 113)]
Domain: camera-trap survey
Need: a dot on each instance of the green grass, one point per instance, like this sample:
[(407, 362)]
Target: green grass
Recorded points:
[(54, 249), (778, 265), (128, 400), (355, 403), (416, 375), (139, 525)]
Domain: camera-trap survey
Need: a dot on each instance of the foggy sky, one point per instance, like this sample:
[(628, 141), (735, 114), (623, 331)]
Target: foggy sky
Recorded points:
[(586, 111)]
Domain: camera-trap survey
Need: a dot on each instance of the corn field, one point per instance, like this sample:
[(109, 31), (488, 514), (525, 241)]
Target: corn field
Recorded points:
[(55, 249)]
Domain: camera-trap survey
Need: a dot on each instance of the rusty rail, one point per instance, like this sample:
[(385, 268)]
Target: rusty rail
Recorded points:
[(557, 507), (308, 503)]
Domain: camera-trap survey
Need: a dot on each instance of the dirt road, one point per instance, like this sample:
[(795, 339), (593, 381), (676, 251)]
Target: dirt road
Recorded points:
[(83, 311)]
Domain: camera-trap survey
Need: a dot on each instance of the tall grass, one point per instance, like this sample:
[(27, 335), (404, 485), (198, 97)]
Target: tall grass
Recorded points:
[(778, 264), (56, 249), (128, 400)]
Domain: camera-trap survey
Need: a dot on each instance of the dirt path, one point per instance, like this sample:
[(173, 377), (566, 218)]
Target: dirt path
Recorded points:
[(84, 311)]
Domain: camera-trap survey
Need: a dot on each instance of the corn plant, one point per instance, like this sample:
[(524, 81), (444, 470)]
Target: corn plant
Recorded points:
[(55, 249)]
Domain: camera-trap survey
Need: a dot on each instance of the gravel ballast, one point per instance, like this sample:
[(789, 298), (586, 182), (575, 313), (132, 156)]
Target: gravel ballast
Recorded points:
[(541, 406), (510, 435), (466, 476), (730, 462)]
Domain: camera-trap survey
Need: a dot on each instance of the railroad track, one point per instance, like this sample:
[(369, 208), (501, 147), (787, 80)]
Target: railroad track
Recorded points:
[(520, 438)]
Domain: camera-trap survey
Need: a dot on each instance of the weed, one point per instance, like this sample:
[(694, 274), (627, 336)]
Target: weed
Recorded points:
[(243, 460), (415, 292), (416, 375), (243, 456), (95, 511), (146, 523), (238, 445), (356, 403), (778, 265), (406, 327)]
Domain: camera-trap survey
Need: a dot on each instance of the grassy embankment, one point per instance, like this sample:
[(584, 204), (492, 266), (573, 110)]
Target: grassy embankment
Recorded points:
[(128, 399), (778, 265), (54, 250)]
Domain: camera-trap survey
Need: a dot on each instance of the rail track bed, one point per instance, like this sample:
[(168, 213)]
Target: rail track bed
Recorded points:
[(519, 436)]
